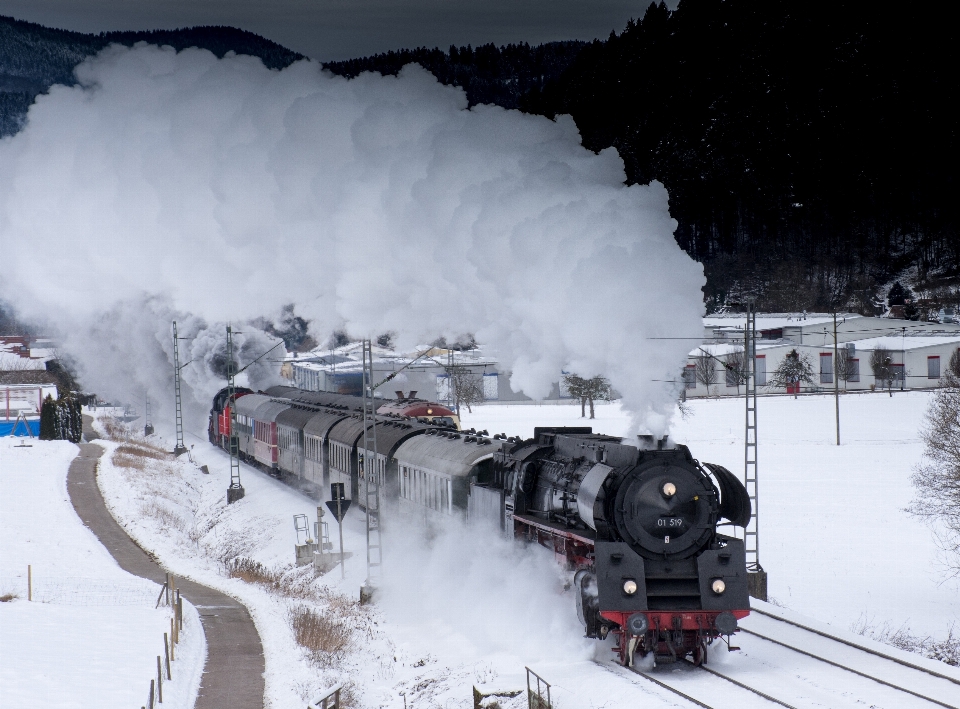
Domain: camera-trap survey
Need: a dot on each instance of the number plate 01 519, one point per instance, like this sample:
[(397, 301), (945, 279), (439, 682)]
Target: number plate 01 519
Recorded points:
[(668, 524)]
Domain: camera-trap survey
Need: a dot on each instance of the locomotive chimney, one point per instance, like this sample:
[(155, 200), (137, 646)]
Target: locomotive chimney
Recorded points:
[(413, 394), (399, 394)]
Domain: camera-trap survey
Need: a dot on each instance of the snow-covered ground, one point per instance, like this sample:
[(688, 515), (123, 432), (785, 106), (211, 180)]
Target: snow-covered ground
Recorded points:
[(91, 636), (459, 608)]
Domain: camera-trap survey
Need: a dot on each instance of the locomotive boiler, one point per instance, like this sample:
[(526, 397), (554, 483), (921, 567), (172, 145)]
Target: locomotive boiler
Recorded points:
[(639, 524)]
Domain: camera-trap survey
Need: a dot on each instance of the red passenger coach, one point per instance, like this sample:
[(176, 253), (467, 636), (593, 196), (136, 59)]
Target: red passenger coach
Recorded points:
[(411, 407)]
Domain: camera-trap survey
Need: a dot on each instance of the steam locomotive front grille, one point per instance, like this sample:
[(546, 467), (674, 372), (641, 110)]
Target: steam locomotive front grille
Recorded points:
[(673, 593)]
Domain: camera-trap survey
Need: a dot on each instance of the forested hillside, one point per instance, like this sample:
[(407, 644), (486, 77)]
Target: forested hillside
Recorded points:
[(809, 151), (33, 57), (488, 74)]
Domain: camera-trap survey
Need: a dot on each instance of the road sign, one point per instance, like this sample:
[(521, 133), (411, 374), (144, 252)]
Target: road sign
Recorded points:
[(338, 508)]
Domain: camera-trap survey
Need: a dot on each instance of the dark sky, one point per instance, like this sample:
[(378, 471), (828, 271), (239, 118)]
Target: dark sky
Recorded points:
[(340, 29)]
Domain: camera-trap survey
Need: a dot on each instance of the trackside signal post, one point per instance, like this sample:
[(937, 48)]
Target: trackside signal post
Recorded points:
[(235, 491), (756, 576)]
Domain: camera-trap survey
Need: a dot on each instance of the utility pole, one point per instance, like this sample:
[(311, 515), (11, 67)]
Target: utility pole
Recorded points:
[(756, 576), (178, 449), (836, 377), (370, 476), (903, 357), (235, 491)]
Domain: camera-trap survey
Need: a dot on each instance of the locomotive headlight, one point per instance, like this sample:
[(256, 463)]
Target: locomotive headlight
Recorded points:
[(669, 489), (719, 586), (629, 587)]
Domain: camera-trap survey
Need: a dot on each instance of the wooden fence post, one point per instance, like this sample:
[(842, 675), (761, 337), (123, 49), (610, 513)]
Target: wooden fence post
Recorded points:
[(166, 652), (150, 701), (159, 682), (166, 587), (179, 615), (173, 638)]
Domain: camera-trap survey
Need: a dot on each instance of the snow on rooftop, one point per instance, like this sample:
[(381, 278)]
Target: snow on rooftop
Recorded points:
[(348, 357), (11, 361), (773, 321), (907, 343), (722, 349)]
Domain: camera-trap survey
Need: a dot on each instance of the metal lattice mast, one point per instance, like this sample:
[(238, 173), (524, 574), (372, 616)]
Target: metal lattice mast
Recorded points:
[(235, 491), (751, 535), (371, 468), (178, 449), (147, 418)]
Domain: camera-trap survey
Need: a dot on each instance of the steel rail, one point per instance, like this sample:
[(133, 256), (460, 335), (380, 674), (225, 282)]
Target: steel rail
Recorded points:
[(669, 688), (745, 686), (850, 669), (672, 689), (617, 668), (856, 645)]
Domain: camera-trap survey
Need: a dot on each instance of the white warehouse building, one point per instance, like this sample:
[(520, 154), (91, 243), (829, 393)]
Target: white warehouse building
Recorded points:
[(915, 354)]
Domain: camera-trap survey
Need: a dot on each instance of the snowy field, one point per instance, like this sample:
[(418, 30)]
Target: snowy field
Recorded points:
[(458, 608), (91, 636)]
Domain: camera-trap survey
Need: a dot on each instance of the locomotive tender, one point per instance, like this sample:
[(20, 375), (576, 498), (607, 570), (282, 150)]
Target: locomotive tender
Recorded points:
[(636, 524)]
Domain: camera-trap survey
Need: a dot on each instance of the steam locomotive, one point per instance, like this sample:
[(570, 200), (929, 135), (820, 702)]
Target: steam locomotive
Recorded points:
[(639, 525), (635, 524)]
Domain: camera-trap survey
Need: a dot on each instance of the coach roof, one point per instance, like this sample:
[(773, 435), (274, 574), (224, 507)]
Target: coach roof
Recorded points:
[(440, 454), (246, 405)]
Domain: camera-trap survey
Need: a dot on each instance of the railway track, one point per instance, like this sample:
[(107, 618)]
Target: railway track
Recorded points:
[(910, 679), (790, 664), (688, 684), (859, 646)]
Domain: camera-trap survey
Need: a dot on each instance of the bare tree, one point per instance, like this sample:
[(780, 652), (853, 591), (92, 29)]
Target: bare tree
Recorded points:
[(598, 389), (881, 362), (587, 390), (735, 364), (792, 370), (845, 367), (466, 387), (937, 478), (954, 366), (706, 371), (576, 388)]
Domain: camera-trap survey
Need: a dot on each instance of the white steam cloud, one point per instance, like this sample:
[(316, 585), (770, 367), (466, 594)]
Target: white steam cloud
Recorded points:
[(173, 183)]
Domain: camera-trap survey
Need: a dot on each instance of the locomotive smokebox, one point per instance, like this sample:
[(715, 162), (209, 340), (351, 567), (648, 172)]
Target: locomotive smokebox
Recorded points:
[(664, 508)]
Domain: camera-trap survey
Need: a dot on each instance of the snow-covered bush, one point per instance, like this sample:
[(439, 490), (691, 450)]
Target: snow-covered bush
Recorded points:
[(937, 478)]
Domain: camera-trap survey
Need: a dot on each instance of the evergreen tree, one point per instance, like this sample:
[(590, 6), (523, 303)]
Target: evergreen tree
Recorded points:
[(48, 419)]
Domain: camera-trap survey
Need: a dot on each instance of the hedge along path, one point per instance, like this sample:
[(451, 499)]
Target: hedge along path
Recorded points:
[(233, 673)]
